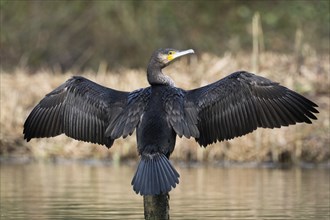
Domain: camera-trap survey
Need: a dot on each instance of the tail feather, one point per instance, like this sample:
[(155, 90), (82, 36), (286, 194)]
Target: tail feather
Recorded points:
[(155, 175)]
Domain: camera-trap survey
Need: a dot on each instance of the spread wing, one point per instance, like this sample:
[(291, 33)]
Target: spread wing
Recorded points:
[(84, 110), (242, 102)]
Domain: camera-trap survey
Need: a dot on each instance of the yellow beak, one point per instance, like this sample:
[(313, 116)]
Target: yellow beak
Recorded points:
[(177, 54)]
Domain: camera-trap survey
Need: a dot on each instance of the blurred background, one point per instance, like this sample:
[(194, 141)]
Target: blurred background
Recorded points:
[(81, 34), (44, 43)]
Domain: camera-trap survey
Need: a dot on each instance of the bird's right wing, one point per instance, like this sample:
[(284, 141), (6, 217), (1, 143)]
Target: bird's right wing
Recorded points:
[(241, 102), (82, 110)]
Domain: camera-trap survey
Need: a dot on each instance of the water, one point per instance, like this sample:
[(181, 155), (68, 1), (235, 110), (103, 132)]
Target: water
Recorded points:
[(98, 191)]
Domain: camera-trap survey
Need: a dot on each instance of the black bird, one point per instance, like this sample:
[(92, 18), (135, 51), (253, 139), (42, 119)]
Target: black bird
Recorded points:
[(231, 107)]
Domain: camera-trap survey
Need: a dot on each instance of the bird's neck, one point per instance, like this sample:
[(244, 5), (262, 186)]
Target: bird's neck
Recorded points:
[(157, 77)]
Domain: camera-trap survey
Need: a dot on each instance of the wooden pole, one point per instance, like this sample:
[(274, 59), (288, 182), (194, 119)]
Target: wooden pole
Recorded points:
[(156, 207)]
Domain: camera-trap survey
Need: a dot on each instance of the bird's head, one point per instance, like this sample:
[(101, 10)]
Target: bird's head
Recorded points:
[(165, 56), (160, 59)]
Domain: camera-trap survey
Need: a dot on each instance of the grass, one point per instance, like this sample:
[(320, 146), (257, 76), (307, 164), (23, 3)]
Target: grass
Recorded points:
[(21, 91)]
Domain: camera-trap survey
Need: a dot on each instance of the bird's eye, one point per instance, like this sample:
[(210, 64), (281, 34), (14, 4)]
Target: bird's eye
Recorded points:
[(170, 52)]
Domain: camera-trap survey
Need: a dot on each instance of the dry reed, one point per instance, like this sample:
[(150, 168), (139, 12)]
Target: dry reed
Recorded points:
[(20, 92)]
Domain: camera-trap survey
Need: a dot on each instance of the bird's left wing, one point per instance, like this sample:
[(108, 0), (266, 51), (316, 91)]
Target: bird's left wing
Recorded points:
[(82, 110), (241, 102)]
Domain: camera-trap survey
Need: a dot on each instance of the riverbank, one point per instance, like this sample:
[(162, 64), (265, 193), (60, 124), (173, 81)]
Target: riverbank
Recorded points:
[(302, 143)]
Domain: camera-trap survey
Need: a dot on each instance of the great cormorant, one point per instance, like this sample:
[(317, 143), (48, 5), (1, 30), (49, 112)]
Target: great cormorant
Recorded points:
[(228, 108)]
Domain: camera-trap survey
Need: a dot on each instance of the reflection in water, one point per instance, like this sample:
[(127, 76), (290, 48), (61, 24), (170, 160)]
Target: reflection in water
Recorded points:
[(96, 191)]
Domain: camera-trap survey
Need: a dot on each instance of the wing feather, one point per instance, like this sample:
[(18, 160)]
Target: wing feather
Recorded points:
[(180, 115), (83, 110), (240, 103), (127, 120)]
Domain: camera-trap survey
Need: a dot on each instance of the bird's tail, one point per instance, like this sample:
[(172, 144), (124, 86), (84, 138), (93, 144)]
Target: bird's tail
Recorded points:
[(155, 175)]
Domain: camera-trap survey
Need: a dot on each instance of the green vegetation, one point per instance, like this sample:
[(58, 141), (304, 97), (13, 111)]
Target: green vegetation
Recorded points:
[(62, 35)]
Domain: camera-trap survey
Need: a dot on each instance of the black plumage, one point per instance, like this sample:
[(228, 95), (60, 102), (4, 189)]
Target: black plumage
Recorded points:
[(231, 107)]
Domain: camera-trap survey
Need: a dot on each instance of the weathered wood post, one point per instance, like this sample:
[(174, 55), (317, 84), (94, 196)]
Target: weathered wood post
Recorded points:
[(156, 207)]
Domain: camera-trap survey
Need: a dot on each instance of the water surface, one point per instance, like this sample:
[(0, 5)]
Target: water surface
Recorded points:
[(103, 191)]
